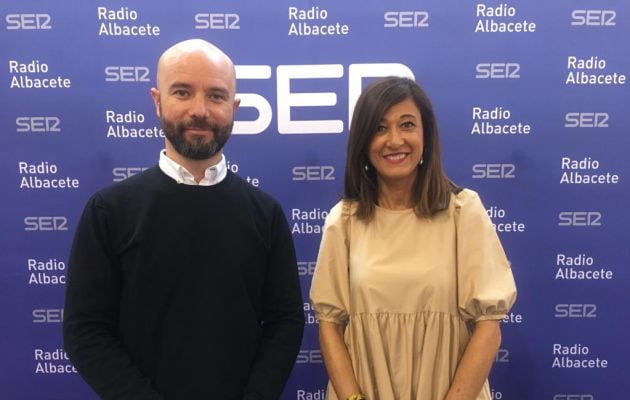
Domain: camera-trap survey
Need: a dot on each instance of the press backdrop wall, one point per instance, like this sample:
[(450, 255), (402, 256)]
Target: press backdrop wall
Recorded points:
[(532, 102)]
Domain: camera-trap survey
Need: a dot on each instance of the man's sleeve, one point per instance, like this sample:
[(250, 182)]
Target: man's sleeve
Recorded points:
[(283, 317), (91, 312)]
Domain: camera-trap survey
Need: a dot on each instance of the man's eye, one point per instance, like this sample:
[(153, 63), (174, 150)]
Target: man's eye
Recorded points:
[(181, 93), (217, 97)]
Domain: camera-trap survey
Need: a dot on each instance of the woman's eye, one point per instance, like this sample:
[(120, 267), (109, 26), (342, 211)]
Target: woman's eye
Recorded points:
[(408, 125)]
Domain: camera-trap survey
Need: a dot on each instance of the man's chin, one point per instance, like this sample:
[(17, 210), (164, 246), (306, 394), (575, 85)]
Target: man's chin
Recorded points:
[(201, 150), (198, 155), (192, 135)]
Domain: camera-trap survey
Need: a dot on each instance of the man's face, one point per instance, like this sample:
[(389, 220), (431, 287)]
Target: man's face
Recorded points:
[(197, 139), (196, 104)]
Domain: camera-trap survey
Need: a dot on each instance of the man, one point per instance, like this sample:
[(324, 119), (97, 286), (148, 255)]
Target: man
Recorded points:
[(182, 280)]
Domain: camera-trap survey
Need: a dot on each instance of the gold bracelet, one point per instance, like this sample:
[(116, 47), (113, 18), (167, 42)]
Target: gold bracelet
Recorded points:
[(357, 396)]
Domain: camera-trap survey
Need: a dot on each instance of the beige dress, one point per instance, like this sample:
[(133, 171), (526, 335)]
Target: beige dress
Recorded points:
[(406, 287)]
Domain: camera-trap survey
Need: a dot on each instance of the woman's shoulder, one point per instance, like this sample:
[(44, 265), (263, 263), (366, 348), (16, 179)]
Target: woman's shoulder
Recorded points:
[(341, 210), (464, 195), (465, 199)]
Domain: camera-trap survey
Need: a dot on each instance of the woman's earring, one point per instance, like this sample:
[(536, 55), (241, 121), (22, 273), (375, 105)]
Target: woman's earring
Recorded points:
[(366, 167), (421, 161)]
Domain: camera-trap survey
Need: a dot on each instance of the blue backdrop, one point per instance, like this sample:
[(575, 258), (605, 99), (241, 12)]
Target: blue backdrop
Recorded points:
[(532, 102)]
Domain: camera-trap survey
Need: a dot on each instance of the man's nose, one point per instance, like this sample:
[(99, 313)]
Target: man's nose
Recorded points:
[(199, 107)]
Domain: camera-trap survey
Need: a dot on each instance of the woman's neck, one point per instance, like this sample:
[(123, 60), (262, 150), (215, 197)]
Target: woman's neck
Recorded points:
[(395, 196)]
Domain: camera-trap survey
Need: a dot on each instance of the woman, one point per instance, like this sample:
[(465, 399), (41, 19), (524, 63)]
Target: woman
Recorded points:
[(411, 280)]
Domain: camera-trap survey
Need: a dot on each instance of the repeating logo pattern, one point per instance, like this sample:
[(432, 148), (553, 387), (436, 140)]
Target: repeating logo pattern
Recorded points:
[(531, 100)]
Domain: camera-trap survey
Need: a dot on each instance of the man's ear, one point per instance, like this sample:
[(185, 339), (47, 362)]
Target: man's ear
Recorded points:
[(155, 95)]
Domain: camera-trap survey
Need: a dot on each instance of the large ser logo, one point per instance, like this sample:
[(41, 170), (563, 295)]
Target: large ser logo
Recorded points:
[(286, 77)]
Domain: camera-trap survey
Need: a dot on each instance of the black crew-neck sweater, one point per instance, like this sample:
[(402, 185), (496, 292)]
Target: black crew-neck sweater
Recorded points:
[(183, 292)]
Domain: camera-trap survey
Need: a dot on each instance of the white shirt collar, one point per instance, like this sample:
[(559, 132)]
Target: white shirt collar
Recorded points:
[(213, 174)]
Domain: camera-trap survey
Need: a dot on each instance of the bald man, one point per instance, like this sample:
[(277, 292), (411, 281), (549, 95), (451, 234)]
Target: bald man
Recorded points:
[(182, 281)]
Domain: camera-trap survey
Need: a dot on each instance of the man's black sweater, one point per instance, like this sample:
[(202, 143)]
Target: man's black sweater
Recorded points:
[(183, 292)]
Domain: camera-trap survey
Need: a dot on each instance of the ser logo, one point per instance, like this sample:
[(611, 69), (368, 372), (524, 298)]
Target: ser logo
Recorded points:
[(28, 21), (287, 100), (313, 173), (502, 356), (579, 218), (494, 171), (498, 71), (573, 397), (122, 173), (406, 19), (306, 267), (576, 311), (116, 73), (38, 124), (47, 315), (217, 21), (309, 357), (586, 120), (593, 17), (45, 223)]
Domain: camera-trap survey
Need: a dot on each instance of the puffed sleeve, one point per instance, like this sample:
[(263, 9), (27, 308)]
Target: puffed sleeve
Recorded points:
[(330, 286), (486, 289)]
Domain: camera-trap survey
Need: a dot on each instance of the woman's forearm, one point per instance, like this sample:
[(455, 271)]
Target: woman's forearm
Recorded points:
[(478, 357), (337, 359)]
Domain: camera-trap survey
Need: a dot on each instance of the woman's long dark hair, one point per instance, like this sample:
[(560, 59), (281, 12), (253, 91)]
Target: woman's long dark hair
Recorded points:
[(431, 191)]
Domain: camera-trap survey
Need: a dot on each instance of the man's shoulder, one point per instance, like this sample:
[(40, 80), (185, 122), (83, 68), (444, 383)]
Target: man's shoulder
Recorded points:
[(250, 191), (135, 185)]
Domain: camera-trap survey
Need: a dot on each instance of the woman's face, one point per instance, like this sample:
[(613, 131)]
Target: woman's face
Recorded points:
[(396, 148)]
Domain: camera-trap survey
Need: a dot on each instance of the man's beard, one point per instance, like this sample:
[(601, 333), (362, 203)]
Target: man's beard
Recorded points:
[(196, 148)]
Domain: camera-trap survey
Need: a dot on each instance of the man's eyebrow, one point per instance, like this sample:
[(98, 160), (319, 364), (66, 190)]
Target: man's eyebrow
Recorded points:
[(179, 85), (213, 89), (218, 89)]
